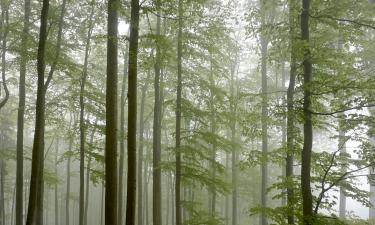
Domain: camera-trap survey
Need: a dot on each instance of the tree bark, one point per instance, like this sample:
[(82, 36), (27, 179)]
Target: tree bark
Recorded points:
[(212, 190), (56, 185), (178, 117), (21, 114), (111, 117), (122, 139), (290, 115), (2, 192), (307, 127), (132, 113), (87, 199), (67, 198), (156, 184), (140, 151), (82, 125), (264, 119), (38, 145), (233, 109)]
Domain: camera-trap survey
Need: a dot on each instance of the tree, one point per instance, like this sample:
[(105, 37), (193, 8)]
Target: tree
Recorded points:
[(290, 115), (111, 117), (81, 119), (21, 114), (132, 112), (307, 126), (38, 145), (264, 166), (178, 116), (156, 178), (122, 141)]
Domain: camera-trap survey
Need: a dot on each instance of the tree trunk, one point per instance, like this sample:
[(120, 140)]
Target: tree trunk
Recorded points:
[(122, 140), (212, 190), (132, 113), (227, 197), (87, 199), (156, 184), (342, 147), (307, 127), (56, 185), (82, 125), (2, 192), (111, 117), (233, 109), (290, 115), (146, 182), (140, 151), (178, 117), (264, 120), (21, 114), (38, 145), (67, 198)]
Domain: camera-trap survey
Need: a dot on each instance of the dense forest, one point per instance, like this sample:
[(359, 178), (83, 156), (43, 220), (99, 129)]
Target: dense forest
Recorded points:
[(187, 112)]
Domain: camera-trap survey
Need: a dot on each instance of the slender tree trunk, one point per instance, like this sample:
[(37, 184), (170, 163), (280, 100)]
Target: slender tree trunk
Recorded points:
[(140, 151), (111, 117), (307, 127), (56, 185), (156, 184), (21, 114), (290, 134), (122, 140), (227, 197), (87, 199), (342, 147), (67, 198), (178, 117), (2, 192), (132, 113), (12, 219), (146, 182), (38, 145), (233, 107), (212, 190), (264, 120), (82, 125), (343, 153), (283, 125)]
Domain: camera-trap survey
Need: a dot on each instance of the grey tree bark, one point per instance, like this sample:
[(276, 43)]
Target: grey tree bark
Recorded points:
[(307, 127), (290, 134), (156, 184), (21, 114), (132, 113), (111, 139), (178, 117), (82, 126), (122, 139)]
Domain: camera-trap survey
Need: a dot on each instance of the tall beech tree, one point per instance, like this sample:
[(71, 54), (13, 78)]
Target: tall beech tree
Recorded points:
[(156, 145), (290, 134), (132, 113), (307, 200), (82, 126), (38, 145), (21, 113), (178, 116), (111, 116)]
